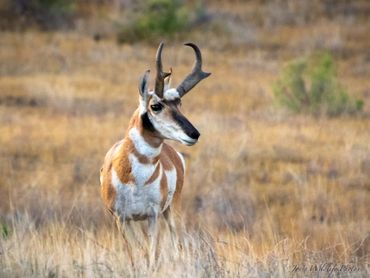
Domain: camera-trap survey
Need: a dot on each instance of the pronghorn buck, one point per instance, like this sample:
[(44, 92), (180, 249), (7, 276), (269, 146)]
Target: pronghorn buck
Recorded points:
[(142, 176)]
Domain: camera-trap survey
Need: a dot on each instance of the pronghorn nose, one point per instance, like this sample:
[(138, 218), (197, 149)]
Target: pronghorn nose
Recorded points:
[(195, 134)]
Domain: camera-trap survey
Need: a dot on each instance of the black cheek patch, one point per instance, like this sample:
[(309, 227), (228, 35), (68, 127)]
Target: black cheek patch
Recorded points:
[(147, 124), (179, 119)]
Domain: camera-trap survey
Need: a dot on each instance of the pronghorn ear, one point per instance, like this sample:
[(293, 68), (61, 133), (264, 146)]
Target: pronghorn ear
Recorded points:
[(143, 85), (167, 81)]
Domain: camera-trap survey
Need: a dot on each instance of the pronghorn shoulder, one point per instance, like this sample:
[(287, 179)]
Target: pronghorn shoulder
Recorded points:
[(114, 150), (116, 159), (110, 156)]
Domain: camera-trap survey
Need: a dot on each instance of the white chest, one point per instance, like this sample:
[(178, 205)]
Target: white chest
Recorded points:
[(140, 200), (140, 171), (136, 201)]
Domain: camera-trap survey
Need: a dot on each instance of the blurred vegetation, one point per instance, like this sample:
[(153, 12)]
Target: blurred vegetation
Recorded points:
[(128, 21), (47, 14), (155, 18), (310, 85)]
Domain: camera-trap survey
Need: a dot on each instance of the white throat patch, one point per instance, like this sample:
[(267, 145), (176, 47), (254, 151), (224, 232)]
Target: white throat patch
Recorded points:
[(141, 145)]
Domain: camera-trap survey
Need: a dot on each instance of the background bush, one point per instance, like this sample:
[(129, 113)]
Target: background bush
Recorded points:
[(153, 19), (311, 86)]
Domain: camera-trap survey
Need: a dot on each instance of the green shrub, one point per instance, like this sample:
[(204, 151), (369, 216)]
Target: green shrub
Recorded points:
[(311, 86), (155, 18)]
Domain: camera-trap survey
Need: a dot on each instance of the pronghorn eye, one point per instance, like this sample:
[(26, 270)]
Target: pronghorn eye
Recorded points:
[(156, 107)]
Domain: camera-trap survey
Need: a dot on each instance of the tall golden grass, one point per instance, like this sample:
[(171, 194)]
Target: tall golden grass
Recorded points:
[(266, 194)]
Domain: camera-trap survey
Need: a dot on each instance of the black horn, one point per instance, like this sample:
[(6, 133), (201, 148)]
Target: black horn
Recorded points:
[(161, 75), (196, 75)]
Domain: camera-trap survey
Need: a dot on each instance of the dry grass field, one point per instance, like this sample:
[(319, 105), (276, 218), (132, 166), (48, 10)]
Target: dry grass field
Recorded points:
[(267, 193)]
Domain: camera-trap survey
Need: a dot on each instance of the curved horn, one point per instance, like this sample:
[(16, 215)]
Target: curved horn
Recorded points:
[(161, 75), (196, 75)]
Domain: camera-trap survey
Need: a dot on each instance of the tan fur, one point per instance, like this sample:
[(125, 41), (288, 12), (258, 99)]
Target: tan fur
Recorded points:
[(108, 192), (154, 176)]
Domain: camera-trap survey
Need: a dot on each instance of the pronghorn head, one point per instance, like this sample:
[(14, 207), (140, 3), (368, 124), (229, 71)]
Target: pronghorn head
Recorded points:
[(159, 109)]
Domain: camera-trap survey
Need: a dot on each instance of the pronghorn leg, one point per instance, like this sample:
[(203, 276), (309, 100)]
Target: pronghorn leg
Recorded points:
[(168, 216), (130, 232), (120, 226), (152, 238)]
